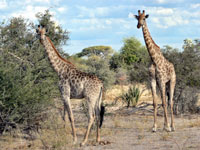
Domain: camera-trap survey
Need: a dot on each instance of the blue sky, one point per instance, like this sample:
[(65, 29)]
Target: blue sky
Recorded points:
[(108, 22)]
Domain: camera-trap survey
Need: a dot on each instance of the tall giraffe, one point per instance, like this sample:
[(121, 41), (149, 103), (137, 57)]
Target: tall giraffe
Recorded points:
[(162, 72), (75, 84)]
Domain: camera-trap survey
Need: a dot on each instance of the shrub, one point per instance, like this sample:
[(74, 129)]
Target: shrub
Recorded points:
[(28, 83), (186, 99), (100, 67), (131, 98)]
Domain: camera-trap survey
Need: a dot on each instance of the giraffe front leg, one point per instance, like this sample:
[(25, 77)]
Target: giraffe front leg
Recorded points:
[(65, 94), (67, 105), (153, 90), (163, 92)]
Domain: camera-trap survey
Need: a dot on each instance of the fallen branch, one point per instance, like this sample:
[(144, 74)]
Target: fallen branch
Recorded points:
[(144, 109)]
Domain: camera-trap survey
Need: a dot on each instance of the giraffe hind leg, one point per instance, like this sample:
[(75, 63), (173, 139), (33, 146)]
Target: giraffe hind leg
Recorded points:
[(97, 113), (91, 115), (172, 87)]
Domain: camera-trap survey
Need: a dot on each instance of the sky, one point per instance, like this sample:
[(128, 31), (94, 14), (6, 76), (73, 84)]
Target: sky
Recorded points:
[(108, 22)]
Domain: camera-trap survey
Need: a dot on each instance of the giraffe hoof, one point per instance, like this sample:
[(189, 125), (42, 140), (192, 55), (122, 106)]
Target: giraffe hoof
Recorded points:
[(173, 129), (82, 144), (168, 129), (98, 140), (154, 129), (75, 141)]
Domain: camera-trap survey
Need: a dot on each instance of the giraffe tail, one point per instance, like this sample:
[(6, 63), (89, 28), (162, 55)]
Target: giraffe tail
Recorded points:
[(101, 108), (102, 111)]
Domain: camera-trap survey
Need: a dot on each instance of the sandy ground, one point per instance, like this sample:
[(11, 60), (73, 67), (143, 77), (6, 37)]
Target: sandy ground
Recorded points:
[(132, 131), (123, 129)]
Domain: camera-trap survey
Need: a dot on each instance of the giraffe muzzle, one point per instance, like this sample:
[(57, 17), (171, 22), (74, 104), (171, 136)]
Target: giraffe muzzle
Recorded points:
[(138, 26)]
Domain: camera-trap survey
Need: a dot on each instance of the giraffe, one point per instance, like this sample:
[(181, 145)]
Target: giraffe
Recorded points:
[(75, 84), (162, 73)]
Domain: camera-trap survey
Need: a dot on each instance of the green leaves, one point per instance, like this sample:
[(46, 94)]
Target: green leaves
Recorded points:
[(101, 51), (55, 32), (28, 83), (132, 51), (131, 98)]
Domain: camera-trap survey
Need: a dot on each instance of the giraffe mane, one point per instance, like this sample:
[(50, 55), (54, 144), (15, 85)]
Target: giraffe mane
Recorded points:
[(58, 53), (155, 43)]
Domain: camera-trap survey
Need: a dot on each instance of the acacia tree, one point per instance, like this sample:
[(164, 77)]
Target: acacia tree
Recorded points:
[(97, 62), (102, 51), (133, 51), (27, 82), (133, 59)]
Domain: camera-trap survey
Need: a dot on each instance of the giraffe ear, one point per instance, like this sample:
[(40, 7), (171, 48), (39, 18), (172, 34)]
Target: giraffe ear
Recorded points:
[(136, 17), (147, 16)]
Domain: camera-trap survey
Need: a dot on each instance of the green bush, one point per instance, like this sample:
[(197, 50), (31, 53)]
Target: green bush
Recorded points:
[(96, 60), (132, 97), (28, 83)]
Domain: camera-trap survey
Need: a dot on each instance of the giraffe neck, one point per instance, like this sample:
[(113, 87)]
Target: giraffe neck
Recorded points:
[(152, 47), (57, 62)]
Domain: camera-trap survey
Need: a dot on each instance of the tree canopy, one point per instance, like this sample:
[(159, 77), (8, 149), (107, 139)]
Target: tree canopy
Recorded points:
[(101, 51), (132, 51), (28, 83)]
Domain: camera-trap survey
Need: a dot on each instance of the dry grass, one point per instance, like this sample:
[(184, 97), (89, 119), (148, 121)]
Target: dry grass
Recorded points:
[(194, 123), (165, 136), (55, 135), (189, 123)]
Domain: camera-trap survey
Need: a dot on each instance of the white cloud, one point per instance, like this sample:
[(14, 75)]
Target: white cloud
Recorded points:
[(44, 1), (37, 1), (101, 11), (166, 22), (92, 12), (89, 24), (29, 12), (168, 2), (62, 9), (195, 5), (101, 24), (161, 1), (160, 11), (3, 4), (169, 17), (108, 22), (131, 15), (155, 20)]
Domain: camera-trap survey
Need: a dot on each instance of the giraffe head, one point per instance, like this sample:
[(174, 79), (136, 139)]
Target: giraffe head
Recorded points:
[(41, 31), (141, 18)]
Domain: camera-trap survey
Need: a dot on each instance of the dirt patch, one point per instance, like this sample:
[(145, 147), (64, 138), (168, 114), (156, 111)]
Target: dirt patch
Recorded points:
[(133, 132)]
